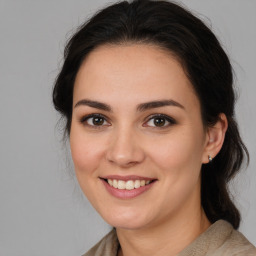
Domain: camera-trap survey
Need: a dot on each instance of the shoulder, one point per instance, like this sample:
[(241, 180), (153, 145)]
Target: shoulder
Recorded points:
[(220, 239), (237, 244), (107, 246)]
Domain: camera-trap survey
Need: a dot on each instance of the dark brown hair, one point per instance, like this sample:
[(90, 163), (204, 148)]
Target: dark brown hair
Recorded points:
[(207, 66)]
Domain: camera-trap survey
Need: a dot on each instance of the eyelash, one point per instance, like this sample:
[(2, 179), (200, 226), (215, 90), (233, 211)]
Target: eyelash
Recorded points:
[(84, 120), (171, 121)]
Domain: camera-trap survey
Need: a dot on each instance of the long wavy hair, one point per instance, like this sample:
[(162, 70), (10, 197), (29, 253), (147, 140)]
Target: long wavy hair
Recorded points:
[(205, 63)]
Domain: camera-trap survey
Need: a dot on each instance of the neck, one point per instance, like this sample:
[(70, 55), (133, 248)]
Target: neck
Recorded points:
[(169, 237)]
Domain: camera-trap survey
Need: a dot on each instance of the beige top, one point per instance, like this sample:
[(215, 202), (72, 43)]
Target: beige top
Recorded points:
[(220, 239)]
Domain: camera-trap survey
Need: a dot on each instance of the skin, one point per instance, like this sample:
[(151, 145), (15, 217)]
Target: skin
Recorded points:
[(169, 216)]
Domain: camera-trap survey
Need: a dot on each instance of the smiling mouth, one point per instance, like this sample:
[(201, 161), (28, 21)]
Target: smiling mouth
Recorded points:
[(128, 184)]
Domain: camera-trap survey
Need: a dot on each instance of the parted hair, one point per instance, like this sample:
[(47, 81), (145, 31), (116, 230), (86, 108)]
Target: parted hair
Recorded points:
[(207, 66)]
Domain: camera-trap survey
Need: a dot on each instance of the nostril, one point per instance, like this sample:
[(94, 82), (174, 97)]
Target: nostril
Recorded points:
[(124, 150)]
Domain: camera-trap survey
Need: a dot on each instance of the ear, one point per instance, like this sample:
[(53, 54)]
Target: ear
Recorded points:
[(214, 138)]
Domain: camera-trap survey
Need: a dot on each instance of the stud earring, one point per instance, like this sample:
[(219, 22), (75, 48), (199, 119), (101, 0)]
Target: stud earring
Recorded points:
[(210, 158)]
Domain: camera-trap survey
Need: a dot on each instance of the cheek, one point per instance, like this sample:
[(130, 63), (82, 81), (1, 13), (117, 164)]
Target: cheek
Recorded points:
[(86, 152), (83, 155), (178, 163), (179, 152)]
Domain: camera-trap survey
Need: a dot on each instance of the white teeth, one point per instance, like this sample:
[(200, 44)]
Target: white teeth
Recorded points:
[(129, 185), (137, 184), (121, 184), (114, 183)]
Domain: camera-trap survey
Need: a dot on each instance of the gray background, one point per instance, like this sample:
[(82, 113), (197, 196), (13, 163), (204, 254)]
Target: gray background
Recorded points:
[(42, 211)]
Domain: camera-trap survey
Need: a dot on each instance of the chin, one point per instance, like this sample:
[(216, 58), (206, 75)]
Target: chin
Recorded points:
[(129, 225), (126, 220)]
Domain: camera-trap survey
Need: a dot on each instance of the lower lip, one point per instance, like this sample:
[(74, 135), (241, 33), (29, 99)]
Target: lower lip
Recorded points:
[(127, 194)]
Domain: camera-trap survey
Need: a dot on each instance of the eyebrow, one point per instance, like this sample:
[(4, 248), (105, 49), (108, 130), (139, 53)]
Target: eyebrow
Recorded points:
[(93, 104), (157, 104), (141, 107)]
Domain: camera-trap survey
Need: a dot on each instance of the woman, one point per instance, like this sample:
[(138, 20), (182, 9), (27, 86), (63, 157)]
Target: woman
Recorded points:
[(146, 90)]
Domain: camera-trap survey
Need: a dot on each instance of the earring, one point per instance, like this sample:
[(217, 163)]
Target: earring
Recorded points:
[(210, 158)]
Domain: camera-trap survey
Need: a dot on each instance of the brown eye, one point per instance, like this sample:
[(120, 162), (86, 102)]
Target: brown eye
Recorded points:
[(95, 120), (98, 121), (159, 121)]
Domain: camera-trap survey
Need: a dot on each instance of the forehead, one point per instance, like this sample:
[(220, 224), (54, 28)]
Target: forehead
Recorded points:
[(135, 73)]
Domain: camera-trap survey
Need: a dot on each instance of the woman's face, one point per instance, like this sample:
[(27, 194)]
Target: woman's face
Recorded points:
[(136, 120)]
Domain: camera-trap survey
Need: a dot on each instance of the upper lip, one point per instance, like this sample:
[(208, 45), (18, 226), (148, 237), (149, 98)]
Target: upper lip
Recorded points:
[(125, 178)]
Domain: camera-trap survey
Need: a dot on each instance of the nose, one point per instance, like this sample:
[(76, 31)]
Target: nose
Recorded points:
[(125, 149)]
